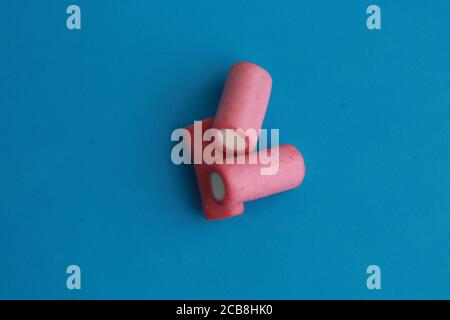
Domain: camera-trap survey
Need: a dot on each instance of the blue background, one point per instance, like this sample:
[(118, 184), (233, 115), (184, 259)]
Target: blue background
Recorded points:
[(85, 170)]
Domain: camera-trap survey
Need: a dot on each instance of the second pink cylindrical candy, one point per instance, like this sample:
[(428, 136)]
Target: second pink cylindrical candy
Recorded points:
[(241, 182), (243, 105)]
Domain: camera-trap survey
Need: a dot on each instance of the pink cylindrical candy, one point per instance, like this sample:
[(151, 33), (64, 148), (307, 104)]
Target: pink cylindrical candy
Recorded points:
[(243, 106), (225, 187), (237, 183), (212, 209)]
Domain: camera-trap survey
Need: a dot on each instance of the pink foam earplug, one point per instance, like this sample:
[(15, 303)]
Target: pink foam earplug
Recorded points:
[(243, 106), (241, 182), (212, 209)]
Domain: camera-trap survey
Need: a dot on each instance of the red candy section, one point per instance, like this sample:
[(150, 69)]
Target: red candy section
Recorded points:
[(212, 209), (225, 187)]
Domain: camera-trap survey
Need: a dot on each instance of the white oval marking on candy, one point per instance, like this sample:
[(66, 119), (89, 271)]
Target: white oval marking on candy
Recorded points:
[(217, 186), (233, 141)]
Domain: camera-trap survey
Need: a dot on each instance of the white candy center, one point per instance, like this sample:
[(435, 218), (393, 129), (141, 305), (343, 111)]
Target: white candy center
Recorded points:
[(233, 141), (217, 186)]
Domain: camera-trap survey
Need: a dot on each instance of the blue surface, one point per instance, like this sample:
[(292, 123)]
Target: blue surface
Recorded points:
[(85, 170)]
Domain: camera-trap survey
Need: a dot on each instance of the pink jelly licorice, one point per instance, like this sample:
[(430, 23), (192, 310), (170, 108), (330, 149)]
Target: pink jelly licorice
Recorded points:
[(243, 106), (237, 183), (225, 187), (212, 209)]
